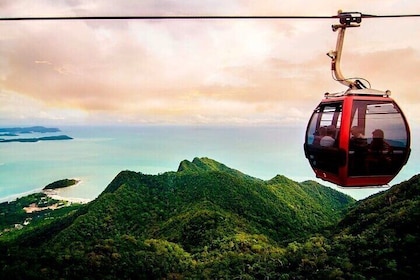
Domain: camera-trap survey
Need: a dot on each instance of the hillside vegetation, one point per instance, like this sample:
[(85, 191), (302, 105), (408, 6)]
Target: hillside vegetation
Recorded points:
[(208, 221)]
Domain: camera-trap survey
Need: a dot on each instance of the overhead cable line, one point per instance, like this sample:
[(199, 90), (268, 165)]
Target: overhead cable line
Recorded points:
[(191, 17)]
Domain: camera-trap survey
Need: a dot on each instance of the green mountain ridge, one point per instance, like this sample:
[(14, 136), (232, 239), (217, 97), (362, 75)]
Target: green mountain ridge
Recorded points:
[(206, 164), (205, 184), (209, 221)]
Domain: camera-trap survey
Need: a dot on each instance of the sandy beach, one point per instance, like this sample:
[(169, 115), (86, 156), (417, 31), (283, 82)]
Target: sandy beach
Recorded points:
[(54, 194)]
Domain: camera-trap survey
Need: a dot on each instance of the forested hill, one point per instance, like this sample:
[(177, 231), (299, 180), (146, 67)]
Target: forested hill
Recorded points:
[(381, 234), (204, 189), (208, 221)]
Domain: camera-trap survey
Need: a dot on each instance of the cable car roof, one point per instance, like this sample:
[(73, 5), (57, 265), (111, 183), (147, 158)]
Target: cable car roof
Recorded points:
[(363, 92)]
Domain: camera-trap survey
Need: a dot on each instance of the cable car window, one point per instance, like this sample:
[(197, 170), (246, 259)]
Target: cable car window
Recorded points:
[(388, 118), (378, 140), (322, 137), (325, 123), (331, 115)]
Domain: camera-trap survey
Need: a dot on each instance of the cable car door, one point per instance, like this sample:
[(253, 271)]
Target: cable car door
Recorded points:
[(322, 141)]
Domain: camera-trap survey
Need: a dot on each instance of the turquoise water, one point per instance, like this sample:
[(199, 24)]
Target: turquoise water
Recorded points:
[(98, 154)]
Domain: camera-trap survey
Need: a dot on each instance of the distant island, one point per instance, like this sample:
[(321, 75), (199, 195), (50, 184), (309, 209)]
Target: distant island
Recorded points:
[(31, 129), (61, 184), (16, 132), (47, 138)]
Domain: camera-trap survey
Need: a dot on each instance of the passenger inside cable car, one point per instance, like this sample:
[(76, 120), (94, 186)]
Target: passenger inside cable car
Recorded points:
[(359, 145)]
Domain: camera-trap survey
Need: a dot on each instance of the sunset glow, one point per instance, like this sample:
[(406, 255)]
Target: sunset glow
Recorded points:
[(241, 72)]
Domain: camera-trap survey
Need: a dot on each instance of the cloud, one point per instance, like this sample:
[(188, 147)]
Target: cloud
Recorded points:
[(196, 70)]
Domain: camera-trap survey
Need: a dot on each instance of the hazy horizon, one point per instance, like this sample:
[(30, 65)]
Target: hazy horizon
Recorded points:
[(98, 153)]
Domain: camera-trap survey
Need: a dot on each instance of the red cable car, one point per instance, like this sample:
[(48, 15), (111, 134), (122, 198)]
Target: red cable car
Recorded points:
[(358, 138)]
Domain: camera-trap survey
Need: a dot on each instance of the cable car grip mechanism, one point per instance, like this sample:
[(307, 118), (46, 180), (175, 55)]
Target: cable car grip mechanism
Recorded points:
[(347, 19)]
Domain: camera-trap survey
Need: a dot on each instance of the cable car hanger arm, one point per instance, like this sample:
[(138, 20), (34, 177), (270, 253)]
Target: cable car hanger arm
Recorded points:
[(347, 19)]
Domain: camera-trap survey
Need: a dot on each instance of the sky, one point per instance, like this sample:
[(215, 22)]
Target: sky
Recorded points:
[(205, 72)]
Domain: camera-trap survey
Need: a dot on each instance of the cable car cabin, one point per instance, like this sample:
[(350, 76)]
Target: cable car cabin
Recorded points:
[(358, 139)]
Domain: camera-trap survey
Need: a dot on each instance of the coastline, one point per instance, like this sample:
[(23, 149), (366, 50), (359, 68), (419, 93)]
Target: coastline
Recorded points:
[(13, 197), (55, 194), (51, 193)]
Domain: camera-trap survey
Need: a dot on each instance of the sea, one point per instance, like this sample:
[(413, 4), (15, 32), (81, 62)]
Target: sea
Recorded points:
[(96, 154)]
